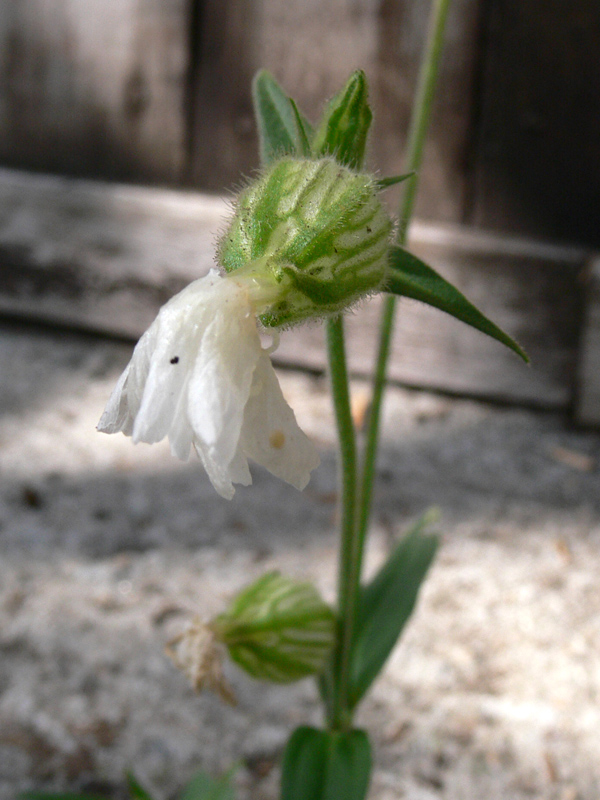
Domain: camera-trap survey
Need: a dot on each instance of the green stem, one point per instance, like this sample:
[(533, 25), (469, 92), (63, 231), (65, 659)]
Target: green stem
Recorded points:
[(416, 141), (349, 559)]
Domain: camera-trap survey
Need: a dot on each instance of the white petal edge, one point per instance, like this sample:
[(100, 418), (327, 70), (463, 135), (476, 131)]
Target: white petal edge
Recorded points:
[(200, 376), (270, 434)]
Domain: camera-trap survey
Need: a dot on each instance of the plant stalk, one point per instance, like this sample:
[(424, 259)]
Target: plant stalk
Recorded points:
[(417, 133), (355, 507), (349, 558)]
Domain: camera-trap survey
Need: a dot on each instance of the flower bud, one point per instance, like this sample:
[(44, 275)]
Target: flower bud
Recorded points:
[(313, 229), (277, 629)]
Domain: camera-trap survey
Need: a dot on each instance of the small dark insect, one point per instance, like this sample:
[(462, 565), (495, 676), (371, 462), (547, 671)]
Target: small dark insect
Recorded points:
[(335, 249), (369, 230), (175, 360)]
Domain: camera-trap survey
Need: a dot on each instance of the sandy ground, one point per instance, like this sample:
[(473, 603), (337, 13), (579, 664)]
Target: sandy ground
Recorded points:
[(106, 548)]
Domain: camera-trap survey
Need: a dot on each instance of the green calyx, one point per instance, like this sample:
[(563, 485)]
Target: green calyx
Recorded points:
[(316, 229), (277, 629)]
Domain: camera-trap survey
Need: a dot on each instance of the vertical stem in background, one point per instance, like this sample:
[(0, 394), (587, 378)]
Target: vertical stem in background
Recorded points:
[(419, 124), (354, 525), (349, 558)]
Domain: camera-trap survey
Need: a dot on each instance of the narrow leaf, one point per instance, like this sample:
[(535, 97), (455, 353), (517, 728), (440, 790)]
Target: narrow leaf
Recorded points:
[(301, 127), (203, 787), (136, 790), (385, 606), (342, 132), (349, 766), (408, 276), (385, 183), (281, 128), (304, 766), (324, 765)]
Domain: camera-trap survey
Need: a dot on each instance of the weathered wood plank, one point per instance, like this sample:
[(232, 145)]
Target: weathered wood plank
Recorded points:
[(224, 144), (445, 178), (104, 257), (312, 47), (538, 160), (587, 409), (95, 87)]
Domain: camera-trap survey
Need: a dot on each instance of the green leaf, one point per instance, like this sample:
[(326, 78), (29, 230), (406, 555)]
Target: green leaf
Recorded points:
[(282, 130), (348, 766), (136, 790), (303, 131), (385, 183), (386, 604), (203, 787), (342, 132), (326, 765), (304, 765), (408, 276)]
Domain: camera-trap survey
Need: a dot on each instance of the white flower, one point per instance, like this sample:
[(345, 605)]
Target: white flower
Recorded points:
[(200, 376)]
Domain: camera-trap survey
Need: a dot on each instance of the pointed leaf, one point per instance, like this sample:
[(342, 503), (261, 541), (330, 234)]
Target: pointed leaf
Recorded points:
[(304, 765), (385, 183), (408, 276), (136, 790), (281, 128), (385, 606), (203, 787), (342, 132), (301, 127), (324, 765), (349, 766)]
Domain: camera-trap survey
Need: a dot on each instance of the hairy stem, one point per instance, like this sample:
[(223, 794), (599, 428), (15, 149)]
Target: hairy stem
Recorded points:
[(349, 558)]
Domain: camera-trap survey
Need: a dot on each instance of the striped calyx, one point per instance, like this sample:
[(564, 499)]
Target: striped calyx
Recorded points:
[(313, 231), (277, 629)]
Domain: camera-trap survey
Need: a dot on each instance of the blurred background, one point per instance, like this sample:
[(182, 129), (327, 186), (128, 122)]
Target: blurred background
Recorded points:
[(158, 94), (124, 127)]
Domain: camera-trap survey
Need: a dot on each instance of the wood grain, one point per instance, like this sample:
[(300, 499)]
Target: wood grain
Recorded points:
[(312, 47), (95, 87), (538, 160), (588, 386)]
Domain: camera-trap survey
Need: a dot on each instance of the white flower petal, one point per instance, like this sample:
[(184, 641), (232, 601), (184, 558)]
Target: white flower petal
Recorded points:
[(199, 376), (239, 470), (270, 435), (117, 416), (175, 335), (223, 476), (222, 375), (181, 434)]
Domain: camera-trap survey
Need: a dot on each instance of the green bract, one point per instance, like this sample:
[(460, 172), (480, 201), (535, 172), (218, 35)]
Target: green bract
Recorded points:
[(278, 629), (314, 229)]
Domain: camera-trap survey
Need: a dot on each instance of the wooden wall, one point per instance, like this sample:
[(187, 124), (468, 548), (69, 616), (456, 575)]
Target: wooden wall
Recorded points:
[(537, 166), (94, 87), (158, 91), (312, 46)]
